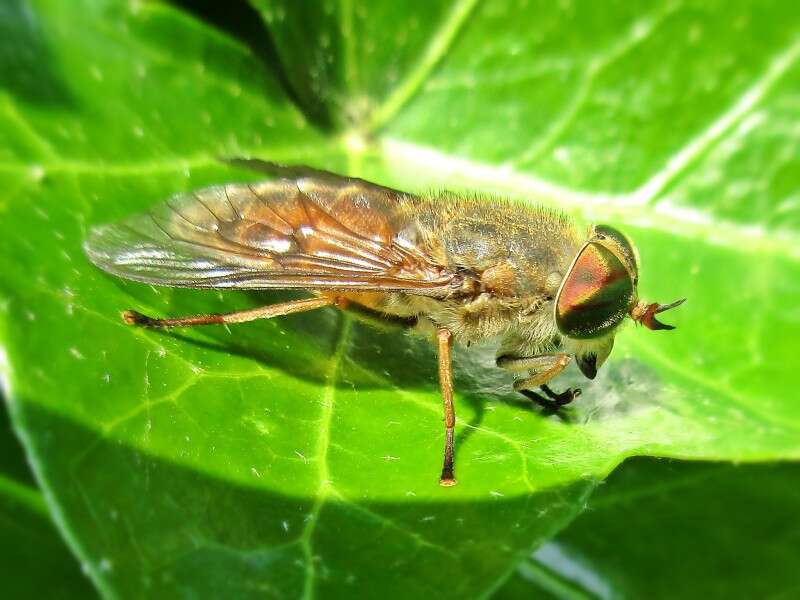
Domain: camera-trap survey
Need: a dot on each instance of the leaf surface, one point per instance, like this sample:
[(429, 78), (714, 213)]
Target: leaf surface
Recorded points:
[(299, 456), (666, 530), (30, 545)]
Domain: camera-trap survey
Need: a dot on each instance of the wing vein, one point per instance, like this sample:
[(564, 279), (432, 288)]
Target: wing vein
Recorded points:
[(315, 231)]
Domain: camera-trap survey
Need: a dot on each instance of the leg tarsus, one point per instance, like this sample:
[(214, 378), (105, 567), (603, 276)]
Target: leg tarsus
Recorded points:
[(132, 317), (550, 406), (564, 397), (448, 477)]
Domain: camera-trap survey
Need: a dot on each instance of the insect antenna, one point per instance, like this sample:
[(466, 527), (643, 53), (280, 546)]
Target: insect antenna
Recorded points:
[(646, 314)]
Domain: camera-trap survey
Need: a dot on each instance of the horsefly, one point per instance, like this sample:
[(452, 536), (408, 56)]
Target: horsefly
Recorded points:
[(462, 269)]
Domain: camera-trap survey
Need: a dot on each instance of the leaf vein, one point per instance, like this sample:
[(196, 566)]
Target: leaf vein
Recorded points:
[(325, 488), (693, 150), (440, 43), (639, 32)]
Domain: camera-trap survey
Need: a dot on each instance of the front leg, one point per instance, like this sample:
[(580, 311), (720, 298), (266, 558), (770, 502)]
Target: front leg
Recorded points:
[(544, 367)]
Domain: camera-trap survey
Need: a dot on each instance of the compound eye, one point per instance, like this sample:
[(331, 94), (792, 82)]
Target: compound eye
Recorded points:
[(629, 254), (595, 295)]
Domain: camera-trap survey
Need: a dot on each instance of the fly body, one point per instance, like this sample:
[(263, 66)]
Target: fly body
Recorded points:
[(464, 268)]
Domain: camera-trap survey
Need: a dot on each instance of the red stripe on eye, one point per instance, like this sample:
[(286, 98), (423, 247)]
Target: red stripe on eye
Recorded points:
[(595, 292)]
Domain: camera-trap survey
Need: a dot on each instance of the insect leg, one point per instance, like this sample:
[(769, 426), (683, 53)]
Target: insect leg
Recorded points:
[(544, 363), (564, 397), (131, 317), (444, 342), (545, 367)]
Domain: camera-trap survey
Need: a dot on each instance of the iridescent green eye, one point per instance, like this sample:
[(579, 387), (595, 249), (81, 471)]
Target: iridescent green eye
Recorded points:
[(595, 295)]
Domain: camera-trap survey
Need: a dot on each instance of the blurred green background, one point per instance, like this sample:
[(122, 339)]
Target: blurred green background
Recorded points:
[(299, 457)]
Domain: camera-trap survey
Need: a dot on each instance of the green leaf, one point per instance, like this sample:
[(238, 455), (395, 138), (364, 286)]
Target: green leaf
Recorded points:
[(300, 456), (357, 62), (29, 543), (669, 530)]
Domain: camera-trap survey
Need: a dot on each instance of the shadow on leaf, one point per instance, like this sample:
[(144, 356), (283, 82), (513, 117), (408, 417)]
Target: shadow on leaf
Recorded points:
[(156, 527)]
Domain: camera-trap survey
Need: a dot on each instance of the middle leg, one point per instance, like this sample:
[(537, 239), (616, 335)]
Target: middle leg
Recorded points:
[(444, 341)]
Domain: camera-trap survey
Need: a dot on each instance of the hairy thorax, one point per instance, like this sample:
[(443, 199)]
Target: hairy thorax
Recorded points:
[(509, 259), (519, 326)]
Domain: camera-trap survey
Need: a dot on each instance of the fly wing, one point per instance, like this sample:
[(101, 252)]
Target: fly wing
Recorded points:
[(314, 231)]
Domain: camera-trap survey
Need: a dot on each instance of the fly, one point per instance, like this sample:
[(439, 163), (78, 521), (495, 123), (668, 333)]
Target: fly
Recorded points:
[(463, 269)]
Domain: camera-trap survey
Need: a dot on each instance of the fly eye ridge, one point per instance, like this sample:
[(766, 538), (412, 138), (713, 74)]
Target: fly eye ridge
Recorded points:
[(621, 242)]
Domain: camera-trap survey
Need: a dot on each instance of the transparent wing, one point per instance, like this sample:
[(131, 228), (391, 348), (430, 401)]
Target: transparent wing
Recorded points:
[(315, 231)]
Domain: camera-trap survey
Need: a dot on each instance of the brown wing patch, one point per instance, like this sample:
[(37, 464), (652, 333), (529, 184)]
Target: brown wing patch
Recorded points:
[(316, 233)]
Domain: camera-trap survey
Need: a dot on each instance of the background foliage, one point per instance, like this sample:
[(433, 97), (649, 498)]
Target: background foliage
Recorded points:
[(299, 457)]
